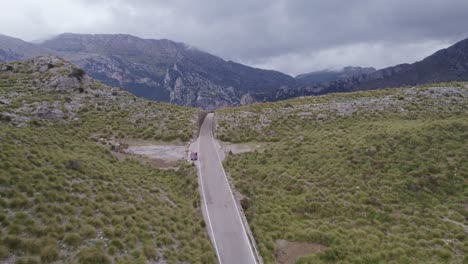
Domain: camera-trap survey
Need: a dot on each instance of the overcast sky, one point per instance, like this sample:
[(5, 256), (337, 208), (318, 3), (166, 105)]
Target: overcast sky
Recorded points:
[(293, 36)]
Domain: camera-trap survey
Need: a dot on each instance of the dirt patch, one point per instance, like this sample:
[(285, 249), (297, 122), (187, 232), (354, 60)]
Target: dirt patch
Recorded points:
[(242, 147), (287, 252), (161, 152), (160, 156)]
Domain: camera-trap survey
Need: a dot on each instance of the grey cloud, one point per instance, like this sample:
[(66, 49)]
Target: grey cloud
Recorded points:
[(289, 35)]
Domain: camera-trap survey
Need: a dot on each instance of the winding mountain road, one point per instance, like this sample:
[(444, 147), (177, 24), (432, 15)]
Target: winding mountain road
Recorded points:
[(222, 214)]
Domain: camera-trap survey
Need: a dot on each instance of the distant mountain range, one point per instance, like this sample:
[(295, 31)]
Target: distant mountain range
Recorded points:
[(446, 65), (161, 70), (326, 76), (169, 71)]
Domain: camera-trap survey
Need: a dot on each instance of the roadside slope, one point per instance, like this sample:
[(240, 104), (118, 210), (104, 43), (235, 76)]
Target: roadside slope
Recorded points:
[(375, 176), (66, 197), (224, 221)]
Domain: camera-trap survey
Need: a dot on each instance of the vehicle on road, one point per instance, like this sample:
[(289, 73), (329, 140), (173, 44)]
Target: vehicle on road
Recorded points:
[(194, 156)]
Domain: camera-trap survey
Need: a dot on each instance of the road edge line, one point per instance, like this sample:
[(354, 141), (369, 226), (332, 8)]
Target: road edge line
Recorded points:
[(232, 194), (204, 200)]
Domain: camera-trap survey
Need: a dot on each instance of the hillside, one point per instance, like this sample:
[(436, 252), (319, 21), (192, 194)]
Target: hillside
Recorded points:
[(161, 70), (326, 76), (363, 177), (67, 192), (168, 71), (12, 49), (446, 65)]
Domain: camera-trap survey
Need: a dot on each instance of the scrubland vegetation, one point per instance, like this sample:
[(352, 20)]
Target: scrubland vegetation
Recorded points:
[(376, 177), (96, 109), (66, 198)]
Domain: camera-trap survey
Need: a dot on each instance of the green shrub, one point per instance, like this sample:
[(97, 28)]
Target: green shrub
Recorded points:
[(150, 252), (28, 260), (376, 185), (13, 242), (77, 73), (88, 231), (49, 254), (3, 252), (62, 186), (72, 239), (93, 256)]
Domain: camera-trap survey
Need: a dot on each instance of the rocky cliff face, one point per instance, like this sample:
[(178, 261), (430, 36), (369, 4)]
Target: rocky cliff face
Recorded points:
[(12, 49), (168, 71), (326, 76), (450, 64)]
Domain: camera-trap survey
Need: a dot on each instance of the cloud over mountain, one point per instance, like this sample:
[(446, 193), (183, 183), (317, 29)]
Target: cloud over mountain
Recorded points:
[(290, 36)]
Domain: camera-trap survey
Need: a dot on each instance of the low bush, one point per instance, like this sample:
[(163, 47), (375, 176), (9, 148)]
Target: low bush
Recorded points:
[(77, 73), (377, 186), (93, 256)]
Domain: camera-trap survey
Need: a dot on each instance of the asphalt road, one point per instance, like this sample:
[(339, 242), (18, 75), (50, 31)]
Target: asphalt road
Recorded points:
[(223, 217)]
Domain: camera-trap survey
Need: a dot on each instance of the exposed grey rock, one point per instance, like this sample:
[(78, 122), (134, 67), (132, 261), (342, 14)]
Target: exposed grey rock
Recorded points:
[(48, 113), (173, 72), (322, 116), (53, 77), (168, 71), (446, 65), (4, 101), (326, 76), (12, 49), (247, 99), (7, 68)]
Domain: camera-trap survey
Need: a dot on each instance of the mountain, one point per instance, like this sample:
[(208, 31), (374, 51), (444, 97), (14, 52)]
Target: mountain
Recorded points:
[(16, 49), (325, 76), (168, 71), (446, 65)]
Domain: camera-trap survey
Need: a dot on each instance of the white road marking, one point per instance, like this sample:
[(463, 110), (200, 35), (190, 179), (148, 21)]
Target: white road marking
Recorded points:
[(206, 205), (232, 195)]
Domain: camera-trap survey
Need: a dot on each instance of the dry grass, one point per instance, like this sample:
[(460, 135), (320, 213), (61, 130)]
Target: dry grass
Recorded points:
[(377, 185)]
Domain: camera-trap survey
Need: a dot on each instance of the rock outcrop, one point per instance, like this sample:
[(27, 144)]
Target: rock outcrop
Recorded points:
[(326, 76), (165, 70), (168, 71), (447, 65)]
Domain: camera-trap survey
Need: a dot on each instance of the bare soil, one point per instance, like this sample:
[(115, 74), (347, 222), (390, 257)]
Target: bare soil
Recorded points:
[(162, 152), (242, 147), (287, 252), (160, 156)]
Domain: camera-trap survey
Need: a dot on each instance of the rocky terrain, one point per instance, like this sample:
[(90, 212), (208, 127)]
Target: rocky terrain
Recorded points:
[(326, 76), (450, 64), (168, 71), (49, 89), (70, 191), (362, 177), (12, 49)]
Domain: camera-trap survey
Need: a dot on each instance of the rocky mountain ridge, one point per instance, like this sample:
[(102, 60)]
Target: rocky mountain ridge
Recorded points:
[(12, 49), (168, 71), (326, 76), (446, 65)]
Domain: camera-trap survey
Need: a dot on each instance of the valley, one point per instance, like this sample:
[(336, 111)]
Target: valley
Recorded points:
[(94, 174), (120, 149)]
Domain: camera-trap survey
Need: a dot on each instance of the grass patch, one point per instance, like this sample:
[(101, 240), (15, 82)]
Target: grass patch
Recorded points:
[(373, 185), (65, 197)]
